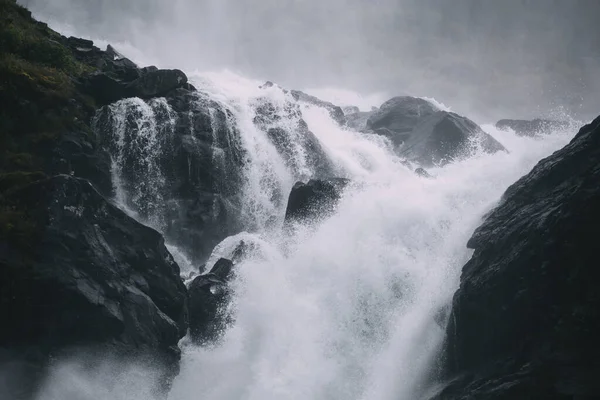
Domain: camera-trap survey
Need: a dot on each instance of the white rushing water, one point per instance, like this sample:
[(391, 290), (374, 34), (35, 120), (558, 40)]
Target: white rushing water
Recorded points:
[(345, 309), (348, 308)]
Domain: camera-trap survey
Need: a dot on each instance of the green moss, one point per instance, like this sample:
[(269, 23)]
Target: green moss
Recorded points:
[(39, 99), (33, 41), (13, 180)]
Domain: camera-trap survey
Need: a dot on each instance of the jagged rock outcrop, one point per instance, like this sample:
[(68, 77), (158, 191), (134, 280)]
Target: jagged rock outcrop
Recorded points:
[(422, 133), (525, 320), (444, 137), (532, 127), (401, 114), (119, 78), (77, 272), (189, 151), (209, 295), (314, 199)]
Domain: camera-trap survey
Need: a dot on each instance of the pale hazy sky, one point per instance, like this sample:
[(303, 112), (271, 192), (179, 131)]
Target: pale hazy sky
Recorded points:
[(495, 58)]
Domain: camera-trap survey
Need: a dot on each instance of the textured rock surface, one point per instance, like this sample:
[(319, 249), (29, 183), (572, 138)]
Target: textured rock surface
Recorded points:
[(314, 199), (209, 295), (401, 114), (525, 321), (443, 137), (85, 275), (422, 133)]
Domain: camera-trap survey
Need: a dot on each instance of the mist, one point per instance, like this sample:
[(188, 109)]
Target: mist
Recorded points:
[(493, 59)]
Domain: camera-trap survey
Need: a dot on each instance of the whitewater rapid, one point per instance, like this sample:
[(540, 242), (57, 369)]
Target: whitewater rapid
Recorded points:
[(347, 309), (351, 307)]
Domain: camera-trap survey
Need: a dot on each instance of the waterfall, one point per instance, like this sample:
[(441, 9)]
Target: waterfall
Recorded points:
[(350, 307)]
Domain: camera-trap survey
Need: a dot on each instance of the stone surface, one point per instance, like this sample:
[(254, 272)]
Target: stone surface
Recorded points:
[(525, 321), (444, 137), (401, 114), (80, 273), (314, 199), (421, 133), (209, 295)]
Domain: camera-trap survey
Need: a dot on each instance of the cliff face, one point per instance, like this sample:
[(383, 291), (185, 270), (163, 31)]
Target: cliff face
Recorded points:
[(75, 271), (526, 318)]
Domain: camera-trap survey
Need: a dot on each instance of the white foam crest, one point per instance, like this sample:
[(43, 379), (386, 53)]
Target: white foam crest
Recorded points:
[(343, 98), (355, 154)]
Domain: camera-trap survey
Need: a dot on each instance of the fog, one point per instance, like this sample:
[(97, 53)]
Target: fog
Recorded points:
[(491, 58)]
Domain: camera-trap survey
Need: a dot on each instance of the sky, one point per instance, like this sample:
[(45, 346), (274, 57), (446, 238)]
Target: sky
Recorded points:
[(490, 58)]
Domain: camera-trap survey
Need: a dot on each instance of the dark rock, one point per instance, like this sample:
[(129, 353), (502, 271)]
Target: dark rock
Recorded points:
[(350, 110), (336, 113), (314, 199), (208, 299), (222, 269), (84, 159), (195, 166), (525, 321), (401, 114), (532, 127), (443, 137), (86, 275), (422, 172), (156, 83), (107, 87), (267, 84), (422, 133)]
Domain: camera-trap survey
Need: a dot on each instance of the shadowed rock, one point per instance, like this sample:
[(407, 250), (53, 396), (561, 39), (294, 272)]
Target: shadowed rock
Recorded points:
[(314, 199), (86, 275), (525, 320)]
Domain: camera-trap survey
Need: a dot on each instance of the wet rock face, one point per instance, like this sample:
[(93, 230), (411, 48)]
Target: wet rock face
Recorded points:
[(117, 77), (314, 199), (401, 114), (209, 295), (525, 320), (186, 149), (87, 275), (422, 133), (444, 137), (532, 127)]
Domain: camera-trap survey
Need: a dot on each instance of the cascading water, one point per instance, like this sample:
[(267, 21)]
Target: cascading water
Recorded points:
[(351, 307)]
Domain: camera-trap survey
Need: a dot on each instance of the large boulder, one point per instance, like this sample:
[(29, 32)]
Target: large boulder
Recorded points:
[(77, 272), (209, 295), (532, 127), (525, 320), (314, 199), (422, 133), (401, 114), (443, 137)]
